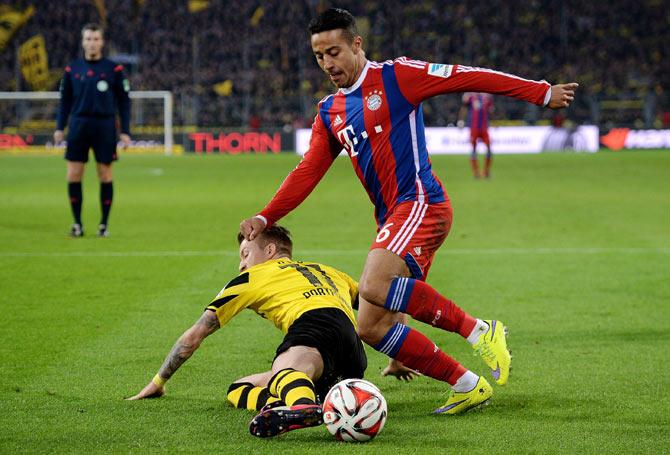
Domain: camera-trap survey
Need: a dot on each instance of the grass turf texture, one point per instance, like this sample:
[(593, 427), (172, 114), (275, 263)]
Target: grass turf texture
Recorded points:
[(572, 251)]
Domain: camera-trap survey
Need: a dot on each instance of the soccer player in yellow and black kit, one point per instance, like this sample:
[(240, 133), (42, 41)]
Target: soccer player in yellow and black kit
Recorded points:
[(312, 304)]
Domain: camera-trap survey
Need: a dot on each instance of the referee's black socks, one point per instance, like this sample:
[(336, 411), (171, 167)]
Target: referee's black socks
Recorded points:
[(106, 196), (74, 192)]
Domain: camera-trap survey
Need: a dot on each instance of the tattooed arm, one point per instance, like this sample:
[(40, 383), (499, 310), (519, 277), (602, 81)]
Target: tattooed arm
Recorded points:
[(180, 353)]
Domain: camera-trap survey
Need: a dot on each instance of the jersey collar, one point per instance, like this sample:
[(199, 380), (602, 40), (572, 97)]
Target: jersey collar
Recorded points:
[(359, 81)]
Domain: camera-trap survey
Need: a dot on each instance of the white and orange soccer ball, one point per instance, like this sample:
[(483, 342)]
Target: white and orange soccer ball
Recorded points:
[(354, 410)]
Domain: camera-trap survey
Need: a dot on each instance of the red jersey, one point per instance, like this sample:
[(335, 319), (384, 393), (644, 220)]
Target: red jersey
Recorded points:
[(378, 121), (480, 106)]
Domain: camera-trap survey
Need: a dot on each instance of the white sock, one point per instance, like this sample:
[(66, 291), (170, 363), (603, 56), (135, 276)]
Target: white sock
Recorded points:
[(481, 328), (466, 382)]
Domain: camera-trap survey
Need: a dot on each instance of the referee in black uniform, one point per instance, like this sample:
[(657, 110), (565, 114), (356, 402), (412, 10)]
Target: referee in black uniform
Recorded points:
[(93, 88)]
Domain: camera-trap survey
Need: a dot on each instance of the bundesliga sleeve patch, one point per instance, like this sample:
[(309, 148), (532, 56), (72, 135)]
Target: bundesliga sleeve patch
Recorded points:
[(440, 70)]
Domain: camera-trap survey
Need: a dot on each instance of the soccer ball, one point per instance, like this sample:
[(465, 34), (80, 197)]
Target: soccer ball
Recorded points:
[(354, 410)]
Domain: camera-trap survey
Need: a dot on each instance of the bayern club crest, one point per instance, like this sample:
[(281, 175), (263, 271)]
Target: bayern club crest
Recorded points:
[(374, 100)]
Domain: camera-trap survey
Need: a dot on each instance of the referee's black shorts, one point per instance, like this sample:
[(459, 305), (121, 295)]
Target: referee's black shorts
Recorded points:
[(331, 332), (97, 133)]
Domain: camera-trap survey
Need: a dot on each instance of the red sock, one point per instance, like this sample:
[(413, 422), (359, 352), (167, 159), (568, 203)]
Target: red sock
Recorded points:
[(417, 352), (425, 304), (487, 165), (475, 167)]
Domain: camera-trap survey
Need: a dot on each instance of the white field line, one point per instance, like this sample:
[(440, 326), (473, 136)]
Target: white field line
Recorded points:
[(316, 253)]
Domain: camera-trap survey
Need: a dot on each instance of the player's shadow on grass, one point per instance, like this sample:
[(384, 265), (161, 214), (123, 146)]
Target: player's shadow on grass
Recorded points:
[(503, 405), (607, 337), (387, 442), (532, 407)]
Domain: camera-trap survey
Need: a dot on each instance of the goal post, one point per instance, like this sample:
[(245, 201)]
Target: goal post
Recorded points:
[(165, 95)]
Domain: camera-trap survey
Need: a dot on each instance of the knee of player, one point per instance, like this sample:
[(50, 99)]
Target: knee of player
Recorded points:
[(373, 291), (369, 332), (105, 176)]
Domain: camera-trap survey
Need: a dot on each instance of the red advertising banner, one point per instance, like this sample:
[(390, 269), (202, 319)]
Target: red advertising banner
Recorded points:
[(236, 142), (625, 138)]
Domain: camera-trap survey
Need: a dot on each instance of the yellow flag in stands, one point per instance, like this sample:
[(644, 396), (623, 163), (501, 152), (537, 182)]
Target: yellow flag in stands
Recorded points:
[(224, 88), (195, 6), (35, 64), (257, 16), (10, 21)]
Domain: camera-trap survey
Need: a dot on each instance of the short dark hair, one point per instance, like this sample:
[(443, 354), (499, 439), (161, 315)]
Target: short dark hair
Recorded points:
[(333, 19), (276, 234), (92, 26)]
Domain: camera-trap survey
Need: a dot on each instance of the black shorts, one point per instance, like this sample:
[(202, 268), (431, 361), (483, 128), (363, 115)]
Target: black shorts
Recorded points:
[(331, 332), (98, 133)]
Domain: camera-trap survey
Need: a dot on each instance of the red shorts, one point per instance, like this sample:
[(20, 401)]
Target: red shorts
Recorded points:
[(483, 134), (414, 231)]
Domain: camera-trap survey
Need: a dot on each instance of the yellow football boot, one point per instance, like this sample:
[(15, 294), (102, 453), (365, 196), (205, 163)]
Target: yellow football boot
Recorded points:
[(459, 402), (492, 347)]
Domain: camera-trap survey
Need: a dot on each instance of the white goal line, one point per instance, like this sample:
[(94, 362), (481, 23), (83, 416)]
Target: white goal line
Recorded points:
[(361, 252)]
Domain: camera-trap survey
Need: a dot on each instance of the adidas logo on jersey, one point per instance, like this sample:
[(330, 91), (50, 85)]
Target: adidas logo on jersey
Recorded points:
[(417, 250), (338, 120)]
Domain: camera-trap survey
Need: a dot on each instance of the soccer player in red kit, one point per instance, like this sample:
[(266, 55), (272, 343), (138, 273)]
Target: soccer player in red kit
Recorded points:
[(376, 117), (478, 106)]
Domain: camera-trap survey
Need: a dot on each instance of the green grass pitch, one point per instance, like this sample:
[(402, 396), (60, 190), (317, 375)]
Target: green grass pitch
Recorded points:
[(572, 251)]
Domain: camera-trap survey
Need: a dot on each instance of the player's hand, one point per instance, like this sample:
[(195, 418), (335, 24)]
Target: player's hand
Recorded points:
[(125, 139), (400, 371), (562, 95), (251, 227), (58, 137), (150, 391)]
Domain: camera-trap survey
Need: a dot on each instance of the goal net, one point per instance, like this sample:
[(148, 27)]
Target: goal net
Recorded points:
[(28, 120)]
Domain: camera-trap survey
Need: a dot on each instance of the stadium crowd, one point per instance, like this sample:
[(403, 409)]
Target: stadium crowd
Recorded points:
[(240, 63)]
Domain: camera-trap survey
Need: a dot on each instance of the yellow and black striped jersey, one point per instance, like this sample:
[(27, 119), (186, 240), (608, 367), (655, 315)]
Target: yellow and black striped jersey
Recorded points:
[(281, 290)]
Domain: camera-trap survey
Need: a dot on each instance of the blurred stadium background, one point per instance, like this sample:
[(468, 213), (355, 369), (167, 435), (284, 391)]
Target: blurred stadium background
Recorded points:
[(236, 66)]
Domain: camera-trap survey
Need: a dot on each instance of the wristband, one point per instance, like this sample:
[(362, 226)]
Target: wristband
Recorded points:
[(547, 97), (263, 219), (160, 382)]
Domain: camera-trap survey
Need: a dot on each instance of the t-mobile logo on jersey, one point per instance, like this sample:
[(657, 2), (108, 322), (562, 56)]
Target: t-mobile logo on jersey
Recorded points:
[(348, 139)]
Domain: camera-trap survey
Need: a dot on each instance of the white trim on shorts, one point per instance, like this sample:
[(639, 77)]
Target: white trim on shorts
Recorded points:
[(409, 227)]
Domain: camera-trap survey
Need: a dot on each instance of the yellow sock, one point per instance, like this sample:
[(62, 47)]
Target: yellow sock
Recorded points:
[(245, 395), (292, 387)]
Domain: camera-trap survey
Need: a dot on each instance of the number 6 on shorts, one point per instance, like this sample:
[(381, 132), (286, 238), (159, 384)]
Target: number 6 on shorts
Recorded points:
[(383, 233)]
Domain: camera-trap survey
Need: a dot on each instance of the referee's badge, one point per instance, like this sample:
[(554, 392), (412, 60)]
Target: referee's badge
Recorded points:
[(374, 101), (102, 86)]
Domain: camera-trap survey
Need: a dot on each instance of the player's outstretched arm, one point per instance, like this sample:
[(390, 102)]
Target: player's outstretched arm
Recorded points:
[(182, 350), (562, 95), (251, 227)]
